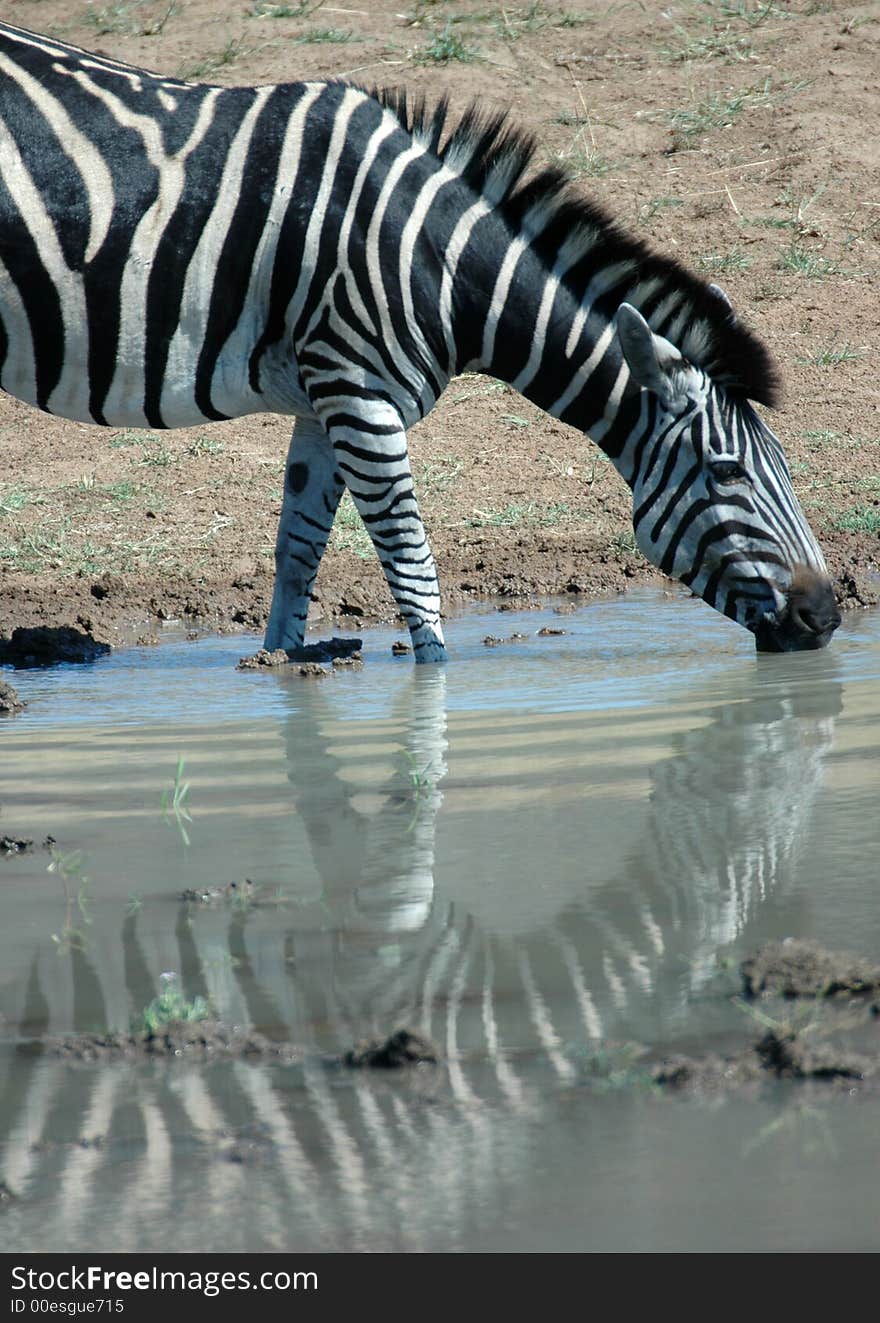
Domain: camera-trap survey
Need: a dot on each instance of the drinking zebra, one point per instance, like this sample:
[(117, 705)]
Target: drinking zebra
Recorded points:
[(173, 253)]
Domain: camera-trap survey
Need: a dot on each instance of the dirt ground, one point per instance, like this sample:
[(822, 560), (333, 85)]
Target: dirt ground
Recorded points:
[(740, 136)]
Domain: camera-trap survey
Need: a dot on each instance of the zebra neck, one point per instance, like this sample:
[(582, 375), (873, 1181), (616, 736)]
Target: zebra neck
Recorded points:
[(561, 353)]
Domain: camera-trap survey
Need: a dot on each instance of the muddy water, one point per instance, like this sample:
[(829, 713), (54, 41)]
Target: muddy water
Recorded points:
[(550, 850)]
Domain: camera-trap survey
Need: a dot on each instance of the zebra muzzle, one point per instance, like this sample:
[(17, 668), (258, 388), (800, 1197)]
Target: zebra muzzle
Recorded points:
[(808, 620)]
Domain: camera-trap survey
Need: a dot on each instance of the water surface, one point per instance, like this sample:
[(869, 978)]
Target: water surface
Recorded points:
[(537, 855)]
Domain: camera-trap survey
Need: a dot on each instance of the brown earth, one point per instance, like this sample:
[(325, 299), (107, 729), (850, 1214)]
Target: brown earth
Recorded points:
[(738, 136)]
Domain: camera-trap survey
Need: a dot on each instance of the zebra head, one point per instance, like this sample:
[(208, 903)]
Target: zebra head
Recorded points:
[(713, 504)]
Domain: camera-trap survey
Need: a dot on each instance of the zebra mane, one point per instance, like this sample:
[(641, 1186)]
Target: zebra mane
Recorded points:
[(563, 227)]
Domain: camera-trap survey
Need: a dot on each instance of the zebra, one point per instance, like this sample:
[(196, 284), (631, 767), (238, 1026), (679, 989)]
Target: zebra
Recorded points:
[(175, 253)]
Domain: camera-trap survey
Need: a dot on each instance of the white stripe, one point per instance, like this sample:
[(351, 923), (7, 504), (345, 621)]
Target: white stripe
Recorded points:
[(177, 403), (83, 155), (342, 115), (70, 395), (125, 398), (230, 388), (374, 268), (503, 280), (458, 241)]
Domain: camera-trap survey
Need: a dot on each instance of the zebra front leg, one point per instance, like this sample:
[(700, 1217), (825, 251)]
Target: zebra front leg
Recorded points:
[(312, 490), (374, 464)]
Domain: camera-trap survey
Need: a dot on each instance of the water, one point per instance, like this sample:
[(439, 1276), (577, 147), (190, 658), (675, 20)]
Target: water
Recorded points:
[(537, 855)]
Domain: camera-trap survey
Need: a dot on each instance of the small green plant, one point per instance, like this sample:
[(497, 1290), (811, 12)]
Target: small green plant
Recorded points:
[(721, 109), (511, 23), (806, 263), (156, 454), (833, 354), (821, 435), (173, 802), (204, 445), (121, 18), (327, 36), (863, 519), (625, 543), (171, 1007), (616, 1069), (663, 203), (488, 387), (304, 9), (348, 532), (13, 499), (715, 45), (421, 784), (752, 15), (129, 437), (76, 894), (720, 263), (211, 63), (569, 19), (582, 162), (446, 45), (433, 476), (514, 514)]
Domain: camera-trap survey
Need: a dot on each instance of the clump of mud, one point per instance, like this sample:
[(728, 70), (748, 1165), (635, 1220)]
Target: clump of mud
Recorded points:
[(200, 1041), (44, 646), (10, 703), (207, 1040), (493, 641), (312, 659), (793, 968), (262, 659), (403, 1048), (15, 845), (831, 1040), (244, 895)]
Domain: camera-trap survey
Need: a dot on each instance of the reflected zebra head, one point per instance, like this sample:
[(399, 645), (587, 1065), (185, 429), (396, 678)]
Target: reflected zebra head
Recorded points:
[(713, 503)]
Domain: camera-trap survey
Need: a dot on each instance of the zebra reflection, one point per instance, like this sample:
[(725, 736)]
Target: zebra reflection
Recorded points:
[(308, 1155), (627, 948)]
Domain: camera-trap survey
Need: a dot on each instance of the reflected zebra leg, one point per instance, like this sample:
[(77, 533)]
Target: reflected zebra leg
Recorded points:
[(396, 892), (313, 488)]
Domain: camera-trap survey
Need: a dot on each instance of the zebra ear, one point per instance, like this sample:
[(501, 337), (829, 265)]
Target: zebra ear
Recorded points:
[(724, 298), (650, 359)]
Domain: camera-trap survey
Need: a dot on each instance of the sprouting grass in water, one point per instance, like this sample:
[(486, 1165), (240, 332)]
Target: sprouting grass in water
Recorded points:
[(173, 801), (171, 1007), (76, 894), (420, 781), (421, 784)]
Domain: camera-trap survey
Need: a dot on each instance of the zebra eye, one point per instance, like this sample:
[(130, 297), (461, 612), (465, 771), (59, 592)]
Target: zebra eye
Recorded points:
[(727, 470)]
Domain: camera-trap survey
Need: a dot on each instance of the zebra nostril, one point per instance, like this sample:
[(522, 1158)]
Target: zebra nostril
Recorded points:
[(815, 611)]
